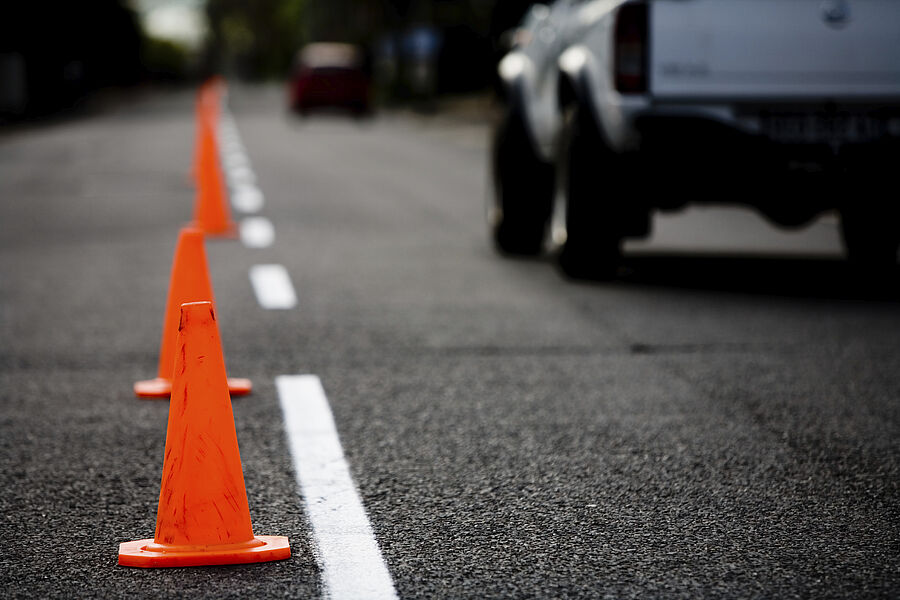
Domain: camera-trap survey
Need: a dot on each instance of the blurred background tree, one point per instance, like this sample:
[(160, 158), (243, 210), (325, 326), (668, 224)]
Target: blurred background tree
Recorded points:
[(255, 40), (417, 47), (54, 53)]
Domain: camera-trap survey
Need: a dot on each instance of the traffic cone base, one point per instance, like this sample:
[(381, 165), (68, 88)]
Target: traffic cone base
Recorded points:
[(147, 553), (228, 230), (153, 388), (160, 387)]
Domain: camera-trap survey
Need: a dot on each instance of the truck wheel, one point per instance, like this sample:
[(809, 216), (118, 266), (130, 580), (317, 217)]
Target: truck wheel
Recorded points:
[(522, 191), (871, 236), (594, 230)]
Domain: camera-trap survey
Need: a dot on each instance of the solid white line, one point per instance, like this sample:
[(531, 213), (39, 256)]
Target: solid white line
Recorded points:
[(273, 287), (348, 554), (257, 232)]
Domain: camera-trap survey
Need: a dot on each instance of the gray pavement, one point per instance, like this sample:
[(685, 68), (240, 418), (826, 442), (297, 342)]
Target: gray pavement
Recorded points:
[(705, 426)]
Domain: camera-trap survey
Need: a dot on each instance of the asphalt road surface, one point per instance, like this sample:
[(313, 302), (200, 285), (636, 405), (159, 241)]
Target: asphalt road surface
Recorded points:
[(708, 425)]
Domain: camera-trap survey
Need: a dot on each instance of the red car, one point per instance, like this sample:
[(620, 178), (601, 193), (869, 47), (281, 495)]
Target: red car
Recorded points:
[(330, 75)]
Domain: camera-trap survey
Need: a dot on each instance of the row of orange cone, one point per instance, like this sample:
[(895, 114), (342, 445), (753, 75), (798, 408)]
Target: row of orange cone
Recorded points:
[(203, 517)]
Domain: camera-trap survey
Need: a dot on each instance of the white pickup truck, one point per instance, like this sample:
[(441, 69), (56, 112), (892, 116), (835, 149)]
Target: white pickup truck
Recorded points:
[(617, 108)]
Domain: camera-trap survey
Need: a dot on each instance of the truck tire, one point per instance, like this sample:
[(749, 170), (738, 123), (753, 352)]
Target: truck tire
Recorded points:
[(522, 191), (594, 228), (871, 235)]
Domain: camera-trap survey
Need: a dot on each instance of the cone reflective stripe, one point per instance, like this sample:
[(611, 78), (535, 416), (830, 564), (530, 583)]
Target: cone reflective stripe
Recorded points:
[(189, 283), (203, 516), (211, 210)]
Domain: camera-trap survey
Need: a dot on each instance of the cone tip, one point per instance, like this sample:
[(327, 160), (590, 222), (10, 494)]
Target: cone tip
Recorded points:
[(199, 311), (192, 229)]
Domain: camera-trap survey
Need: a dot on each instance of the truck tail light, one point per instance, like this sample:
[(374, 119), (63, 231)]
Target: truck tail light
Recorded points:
[(631, 54)]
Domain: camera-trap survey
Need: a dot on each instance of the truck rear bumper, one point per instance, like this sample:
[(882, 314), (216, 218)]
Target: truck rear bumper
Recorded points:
[(701, 141), (700, 160)]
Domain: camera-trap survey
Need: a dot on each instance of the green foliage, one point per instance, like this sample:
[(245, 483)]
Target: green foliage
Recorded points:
[(165, 59), (256, 40)]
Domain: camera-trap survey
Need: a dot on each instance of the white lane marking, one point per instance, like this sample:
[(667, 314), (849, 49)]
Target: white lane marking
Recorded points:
[(273, 287), (241, 176), (347, 552), (235, 160), (233, 145), (257, 232), (247, 198)]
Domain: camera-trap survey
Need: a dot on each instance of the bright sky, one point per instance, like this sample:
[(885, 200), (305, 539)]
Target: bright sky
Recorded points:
[(183, 21)]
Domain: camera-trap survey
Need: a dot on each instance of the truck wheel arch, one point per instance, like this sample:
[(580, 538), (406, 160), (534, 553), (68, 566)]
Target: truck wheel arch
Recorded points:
[(574, 85)]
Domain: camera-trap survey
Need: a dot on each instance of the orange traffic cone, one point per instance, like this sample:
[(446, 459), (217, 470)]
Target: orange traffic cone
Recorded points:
[(206, 109), (203, 516), (211, 211), (189, 283), (198, 140)]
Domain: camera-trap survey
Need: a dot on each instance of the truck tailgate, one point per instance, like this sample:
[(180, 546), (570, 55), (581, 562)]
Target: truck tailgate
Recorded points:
[(784, 49)]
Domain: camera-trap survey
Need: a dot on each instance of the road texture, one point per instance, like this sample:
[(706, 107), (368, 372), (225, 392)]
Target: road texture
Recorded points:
[(705, 426)]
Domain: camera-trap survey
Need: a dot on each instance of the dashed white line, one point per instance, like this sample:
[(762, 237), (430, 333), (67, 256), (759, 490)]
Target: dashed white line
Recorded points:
[(238, 176), (257, 232), (348, 554), (247, 198), (234, 160), (272, 286), (232, 146)]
